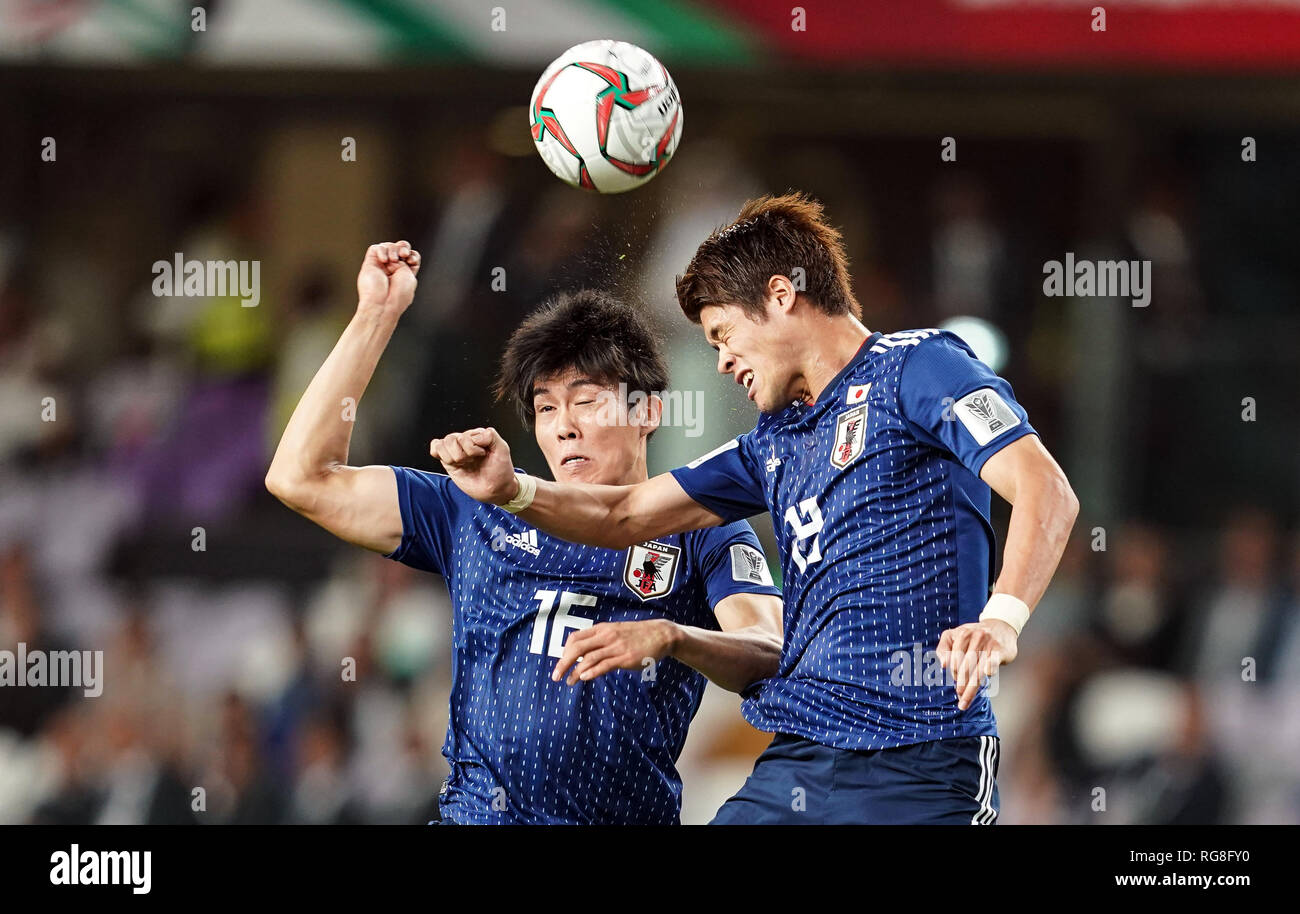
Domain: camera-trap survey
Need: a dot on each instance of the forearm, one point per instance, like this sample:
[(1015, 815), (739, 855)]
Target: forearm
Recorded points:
[(319, 432), (616, 517), (611, 517), (1042, 517), (592, 515), (733, 660)]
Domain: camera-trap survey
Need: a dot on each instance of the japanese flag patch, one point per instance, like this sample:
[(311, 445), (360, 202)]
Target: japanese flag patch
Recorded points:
[(985, 415), (857, 393)]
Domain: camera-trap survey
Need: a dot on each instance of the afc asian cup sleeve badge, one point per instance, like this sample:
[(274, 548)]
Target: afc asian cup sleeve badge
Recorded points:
[(850, 433), (651, 569)]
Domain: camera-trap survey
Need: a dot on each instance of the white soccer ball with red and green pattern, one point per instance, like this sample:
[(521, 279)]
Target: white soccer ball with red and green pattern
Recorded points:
[(606, 116)]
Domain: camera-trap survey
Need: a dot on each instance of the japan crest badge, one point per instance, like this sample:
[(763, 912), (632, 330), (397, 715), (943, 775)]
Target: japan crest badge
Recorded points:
[(850, 431), (651, 569)]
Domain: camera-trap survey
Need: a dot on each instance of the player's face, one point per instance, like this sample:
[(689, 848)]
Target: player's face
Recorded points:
[(586, 433), (756, 355)]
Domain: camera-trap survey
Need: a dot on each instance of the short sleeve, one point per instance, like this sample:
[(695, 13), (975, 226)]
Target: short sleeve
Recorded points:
[(731, 561), (428, 515), (954, 401), (723, 481)]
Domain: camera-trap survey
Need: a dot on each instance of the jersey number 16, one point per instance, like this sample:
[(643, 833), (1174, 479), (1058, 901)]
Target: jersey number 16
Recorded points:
[(564, 620)]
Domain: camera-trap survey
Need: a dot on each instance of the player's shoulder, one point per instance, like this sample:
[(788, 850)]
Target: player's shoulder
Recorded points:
[(423, 479), (898, 338), (426, 485), (708, 539), (918, 355), (730, 549), (904, 342)]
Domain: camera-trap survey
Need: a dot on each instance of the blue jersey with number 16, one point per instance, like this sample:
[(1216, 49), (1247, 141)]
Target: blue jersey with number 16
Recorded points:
[(521, 748)]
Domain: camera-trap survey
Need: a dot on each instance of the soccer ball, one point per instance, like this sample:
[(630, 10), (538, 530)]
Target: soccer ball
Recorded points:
[(606, 116)]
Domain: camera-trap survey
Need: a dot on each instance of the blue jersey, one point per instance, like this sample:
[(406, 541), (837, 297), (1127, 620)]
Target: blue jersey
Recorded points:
[(883, 526), (524, 749)]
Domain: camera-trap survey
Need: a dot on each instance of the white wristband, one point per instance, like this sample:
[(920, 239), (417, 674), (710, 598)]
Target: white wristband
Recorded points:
[(1009, 609), (524, 498)]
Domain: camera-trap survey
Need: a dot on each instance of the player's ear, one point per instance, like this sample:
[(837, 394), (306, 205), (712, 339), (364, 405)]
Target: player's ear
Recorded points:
[(781, 293), (652, 409)]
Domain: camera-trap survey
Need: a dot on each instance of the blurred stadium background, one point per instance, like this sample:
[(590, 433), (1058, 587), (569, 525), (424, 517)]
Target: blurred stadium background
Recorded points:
[(222, 666)]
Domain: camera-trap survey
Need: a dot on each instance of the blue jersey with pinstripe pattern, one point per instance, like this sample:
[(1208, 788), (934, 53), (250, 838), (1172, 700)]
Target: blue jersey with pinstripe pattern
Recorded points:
[(883, 527), (521, 748)]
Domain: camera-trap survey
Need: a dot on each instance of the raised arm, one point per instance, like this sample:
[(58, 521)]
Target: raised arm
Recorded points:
[(309, 472), (614, 517)]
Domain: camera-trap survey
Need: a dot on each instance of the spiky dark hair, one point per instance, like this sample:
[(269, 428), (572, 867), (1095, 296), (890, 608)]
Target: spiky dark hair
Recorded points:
[(770, 237), (588, 331)]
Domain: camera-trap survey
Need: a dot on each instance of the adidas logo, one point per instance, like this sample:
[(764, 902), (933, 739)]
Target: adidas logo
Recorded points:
[(526, 541)]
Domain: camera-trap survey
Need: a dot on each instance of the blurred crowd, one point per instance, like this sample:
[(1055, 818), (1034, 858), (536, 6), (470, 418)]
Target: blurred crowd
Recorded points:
[(1151, 685), (257, 671)]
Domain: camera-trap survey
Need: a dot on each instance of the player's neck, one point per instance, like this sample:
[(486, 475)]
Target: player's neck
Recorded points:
[(635, 473), (833, 346)]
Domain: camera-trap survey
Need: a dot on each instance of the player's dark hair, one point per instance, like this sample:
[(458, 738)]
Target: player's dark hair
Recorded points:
[(595, 334), (772, 236)]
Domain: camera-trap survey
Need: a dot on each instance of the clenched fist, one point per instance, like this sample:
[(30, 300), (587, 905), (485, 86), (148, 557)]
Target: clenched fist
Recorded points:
[(387, 277), (478, 461)]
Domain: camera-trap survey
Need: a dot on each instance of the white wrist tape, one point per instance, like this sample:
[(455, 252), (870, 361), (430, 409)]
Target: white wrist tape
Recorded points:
[(524, 498), (1009, 609)]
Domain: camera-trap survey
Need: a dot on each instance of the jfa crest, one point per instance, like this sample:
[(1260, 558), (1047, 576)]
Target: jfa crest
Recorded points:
[(850, 432), (651, 569)]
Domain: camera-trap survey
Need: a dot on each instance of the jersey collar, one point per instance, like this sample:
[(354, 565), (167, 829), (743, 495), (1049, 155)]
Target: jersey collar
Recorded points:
[(858, 357)]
